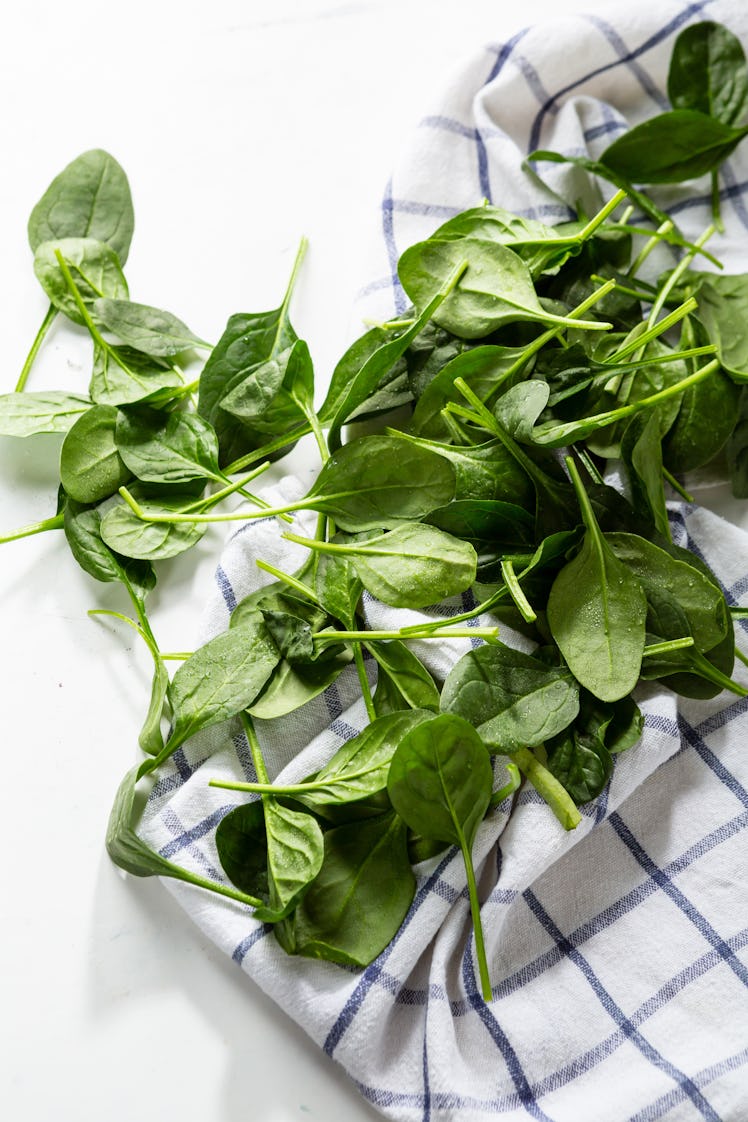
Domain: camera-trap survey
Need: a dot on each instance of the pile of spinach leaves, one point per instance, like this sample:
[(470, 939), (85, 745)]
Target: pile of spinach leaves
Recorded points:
[(522, 340)]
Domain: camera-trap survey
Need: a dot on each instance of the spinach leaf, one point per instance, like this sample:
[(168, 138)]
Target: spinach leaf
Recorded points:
[(95, 269), (512, 699), (482, 471), (122, 376), (337, 587), (661, 574), (596, 612), (690, 443), (440, 783), (161, 447), (737, 450), (723, 306), (91, 468), (90, 198), (411, 566), (378, 481), (708, 72), (82, 527), (217, 682), (410, 683), (641, 452), (132, 854), (360, 896), (270, 851), (149, 330), (483, 368), (293, 684), (27, 414), (132, 536), (496, 289), (671, 147)]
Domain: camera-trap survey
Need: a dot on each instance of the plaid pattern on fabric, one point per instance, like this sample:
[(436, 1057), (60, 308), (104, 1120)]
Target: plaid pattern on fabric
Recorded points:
[(618, 953)]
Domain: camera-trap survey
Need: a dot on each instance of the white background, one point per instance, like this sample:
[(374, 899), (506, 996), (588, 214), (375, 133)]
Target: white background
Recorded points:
[(241, 126)]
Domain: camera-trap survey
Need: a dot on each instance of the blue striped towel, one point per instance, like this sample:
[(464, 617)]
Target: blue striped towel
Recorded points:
[(617, 952)]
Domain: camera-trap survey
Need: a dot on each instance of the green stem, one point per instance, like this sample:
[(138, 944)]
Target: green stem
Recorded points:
[(93, 330), (254, 747), (546, 784), (508, 788), (240, 516), (668, 645), (480, 948), (55, 523), (286, 578), (743, 658), (358, 656), (520, 600), (230, 489), (653, 332), (677, 487), (738, 612), (268, 449), (445, 631), (47, 322), (589, 466), (675, 276), (648, 246)]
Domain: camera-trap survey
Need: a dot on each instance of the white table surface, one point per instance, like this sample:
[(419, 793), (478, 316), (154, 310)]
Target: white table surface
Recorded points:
[(242, 126)]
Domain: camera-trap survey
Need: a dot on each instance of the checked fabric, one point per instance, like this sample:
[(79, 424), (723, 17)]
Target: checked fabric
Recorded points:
[(618, 953)]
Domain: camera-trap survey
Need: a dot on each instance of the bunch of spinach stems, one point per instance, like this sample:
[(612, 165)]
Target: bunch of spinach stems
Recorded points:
[(532, 359)]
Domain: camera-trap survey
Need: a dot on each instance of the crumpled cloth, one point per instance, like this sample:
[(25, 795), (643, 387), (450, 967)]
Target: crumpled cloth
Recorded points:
[(618, 953)]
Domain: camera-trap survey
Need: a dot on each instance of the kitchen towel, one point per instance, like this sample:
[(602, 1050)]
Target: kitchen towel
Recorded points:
[(618, 953)]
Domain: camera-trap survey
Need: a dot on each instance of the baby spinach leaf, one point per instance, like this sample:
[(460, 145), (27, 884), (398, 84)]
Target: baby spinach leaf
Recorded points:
[(661, 574), (128, 534), (486, 521), (708, 72), (512, 699), (337, 587), (484, 368), (271, 851), (95, 269), (361, 894), (596, 612), (410, 681), (579, 758), (482, 471), (518, 409), (346, 398), (641, 452), (249, 341), (496, 289), (140, 379), (723, 306), (409, 567), (378, 481), (690, 443), (292, 685), (217, 682), (161, 447), (91, 468), (440, 783), (737, 450), (82, 527), (671, 147), (271, 398), (90, 198), (27, 414), (145, 329)]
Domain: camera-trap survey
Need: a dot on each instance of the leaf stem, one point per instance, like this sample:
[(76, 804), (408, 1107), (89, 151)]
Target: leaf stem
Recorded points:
[(509, 788), (444, 631), (546, 784), (668, 645), (515, 591), (677, 487), (55, 523), (480, 948), (254, 747), (358, 657), (47, 322)]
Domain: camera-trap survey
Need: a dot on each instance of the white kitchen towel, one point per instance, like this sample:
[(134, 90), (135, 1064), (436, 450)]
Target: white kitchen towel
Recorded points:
[(618, 953)]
